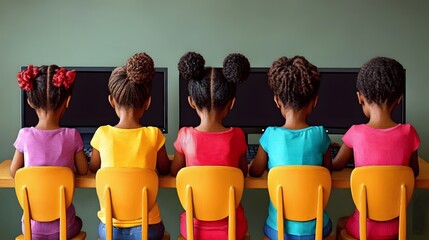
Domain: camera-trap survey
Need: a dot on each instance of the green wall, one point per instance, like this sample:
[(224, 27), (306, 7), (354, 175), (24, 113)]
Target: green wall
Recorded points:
[(331, 33)]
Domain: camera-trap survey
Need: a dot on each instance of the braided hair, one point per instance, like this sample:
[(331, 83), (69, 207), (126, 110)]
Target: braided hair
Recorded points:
[(213, 88), (381, 80), (294, 80), (130, 85), (43, 93)]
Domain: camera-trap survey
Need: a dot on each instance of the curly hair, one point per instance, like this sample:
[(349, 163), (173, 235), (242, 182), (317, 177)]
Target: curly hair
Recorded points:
[(381, 80), (44, 94), (213, 88), (131, 85), (294, 80)]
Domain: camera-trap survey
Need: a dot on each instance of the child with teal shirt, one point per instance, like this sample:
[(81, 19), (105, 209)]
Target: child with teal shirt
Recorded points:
[(295, 83)]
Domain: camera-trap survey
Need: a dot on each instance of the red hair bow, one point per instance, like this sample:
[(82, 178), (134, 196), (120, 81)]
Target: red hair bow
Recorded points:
[(25, 78), (63, 77)]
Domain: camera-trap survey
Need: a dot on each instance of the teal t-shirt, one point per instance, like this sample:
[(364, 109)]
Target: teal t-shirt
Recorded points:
[(285, 147)]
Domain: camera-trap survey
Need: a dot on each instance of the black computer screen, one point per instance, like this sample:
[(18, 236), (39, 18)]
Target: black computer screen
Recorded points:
[(89, 107), (255, 110)]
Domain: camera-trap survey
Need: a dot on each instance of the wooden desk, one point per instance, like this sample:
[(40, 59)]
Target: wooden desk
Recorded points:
[(340, 179)]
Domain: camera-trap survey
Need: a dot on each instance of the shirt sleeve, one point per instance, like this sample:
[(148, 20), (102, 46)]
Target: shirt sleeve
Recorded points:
[(414, 139), (264, 140), (19, 145), (348, 137), (95, 141), (178, 143), (78, 140), (242, 145), (326, 141), (160, 139)]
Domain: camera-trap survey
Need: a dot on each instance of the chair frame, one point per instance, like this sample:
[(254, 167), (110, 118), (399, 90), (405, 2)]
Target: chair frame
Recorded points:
[(34, 184), (299, 193), (227, 183), (114, 187), (376, 190)]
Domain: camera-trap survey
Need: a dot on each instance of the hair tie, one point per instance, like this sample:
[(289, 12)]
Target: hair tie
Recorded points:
[(25, 77), (63, 77)]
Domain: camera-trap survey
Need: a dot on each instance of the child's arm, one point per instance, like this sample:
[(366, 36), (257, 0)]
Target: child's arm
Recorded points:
[(343, 156), (162, 162), (178, 163), (81, 163), (243, 164), (259, 163), (17, 162), (95, 161), (414, 163)]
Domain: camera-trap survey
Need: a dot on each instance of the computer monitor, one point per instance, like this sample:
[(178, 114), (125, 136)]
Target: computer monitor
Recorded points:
[(89, 107), (338, 107), (255, 110)]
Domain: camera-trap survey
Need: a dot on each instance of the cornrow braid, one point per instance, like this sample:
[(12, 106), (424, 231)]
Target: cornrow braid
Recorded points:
[(295, 81), (381, 80), (44, 94)]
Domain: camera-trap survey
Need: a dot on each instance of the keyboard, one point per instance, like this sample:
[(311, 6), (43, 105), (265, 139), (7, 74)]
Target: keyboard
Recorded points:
[(87, 150), (252, 149)]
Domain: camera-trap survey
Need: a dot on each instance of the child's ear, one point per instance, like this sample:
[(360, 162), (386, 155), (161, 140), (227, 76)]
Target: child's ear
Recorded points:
[(360, 98), (68, 101), (232, 104), (149, 100), (111, 101), (276, 100), (30, 104), (316, 100), (191, 102)]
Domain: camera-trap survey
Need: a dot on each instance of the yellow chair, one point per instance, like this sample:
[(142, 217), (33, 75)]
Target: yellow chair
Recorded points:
[(45, 193), (299, 193), (127, 194), (210, 193), (381, 193)]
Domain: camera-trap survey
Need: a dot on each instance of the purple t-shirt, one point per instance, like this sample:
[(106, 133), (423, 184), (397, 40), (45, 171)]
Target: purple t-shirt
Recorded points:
[(50, 148)]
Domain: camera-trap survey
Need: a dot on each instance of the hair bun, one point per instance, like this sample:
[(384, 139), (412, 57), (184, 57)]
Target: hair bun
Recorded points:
[(236, 68), (140, 68), (191, 66)]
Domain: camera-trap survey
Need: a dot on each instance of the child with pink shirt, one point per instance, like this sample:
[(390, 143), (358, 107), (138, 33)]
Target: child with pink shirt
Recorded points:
[(212, 95), (381, 141), (48, 90)]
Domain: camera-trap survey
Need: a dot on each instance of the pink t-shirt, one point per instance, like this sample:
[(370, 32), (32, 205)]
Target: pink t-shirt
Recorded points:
[(51, 148), (391, 146), (212, 149)]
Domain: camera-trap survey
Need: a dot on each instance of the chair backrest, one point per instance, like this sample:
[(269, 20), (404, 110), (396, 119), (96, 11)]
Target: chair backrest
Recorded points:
[(126, 194), (210, 193), (44, 193), (382, 193), (299, 193)]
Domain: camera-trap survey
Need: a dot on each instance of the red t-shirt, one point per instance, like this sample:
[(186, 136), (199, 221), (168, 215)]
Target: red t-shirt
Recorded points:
[(212, 149)]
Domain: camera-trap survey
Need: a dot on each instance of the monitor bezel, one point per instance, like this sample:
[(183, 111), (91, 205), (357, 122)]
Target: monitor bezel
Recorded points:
[(90, 129)]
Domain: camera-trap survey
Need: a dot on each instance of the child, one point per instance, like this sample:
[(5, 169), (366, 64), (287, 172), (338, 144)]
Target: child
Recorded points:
[(48, 90), (128, 143), (295, 83), (212, 95), (381, 141)]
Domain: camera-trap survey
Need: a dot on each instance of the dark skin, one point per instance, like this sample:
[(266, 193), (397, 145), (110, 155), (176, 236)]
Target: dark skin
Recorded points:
[(129, 118), (294, 120), (379, 118), (211, 121), (50, 120)]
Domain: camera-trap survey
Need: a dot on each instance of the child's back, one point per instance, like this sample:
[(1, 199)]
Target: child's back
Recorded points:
[(295, 83), (48, 89), (212, 95), (381, 85)]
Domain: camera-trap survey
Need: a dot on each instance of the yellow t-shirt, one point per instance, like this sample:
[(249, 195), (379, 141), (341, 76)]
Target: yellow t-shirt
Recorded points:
[(129, 148)]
